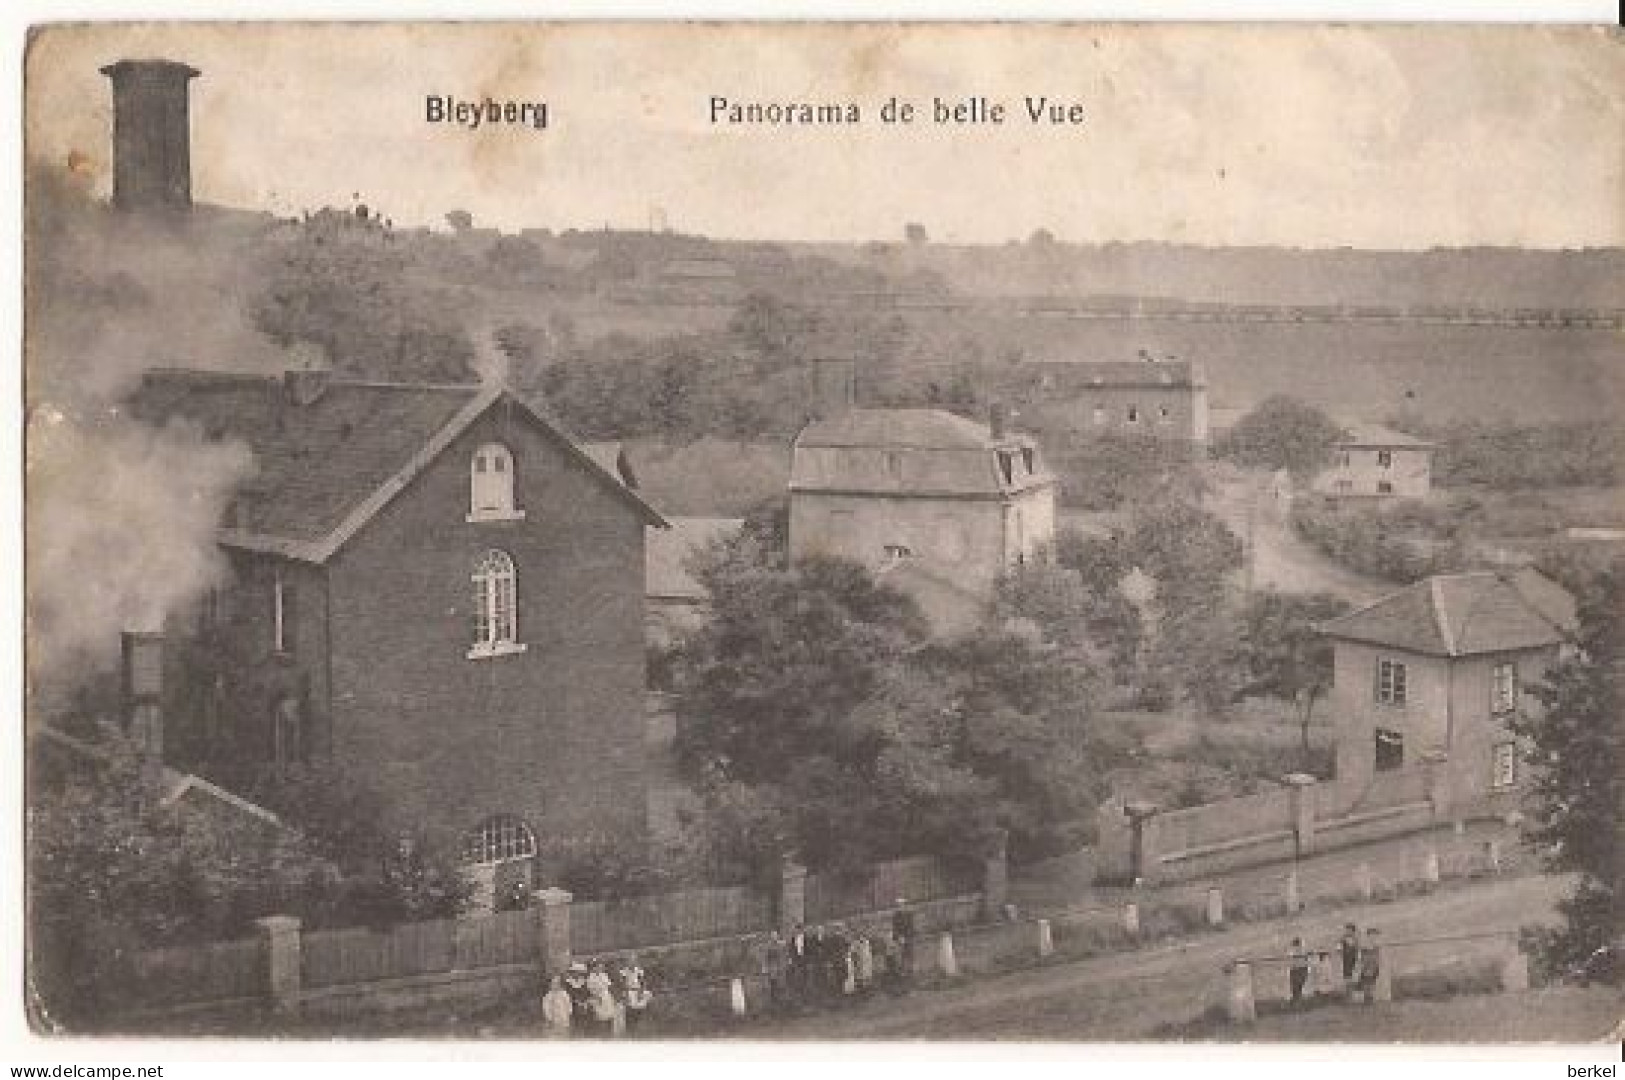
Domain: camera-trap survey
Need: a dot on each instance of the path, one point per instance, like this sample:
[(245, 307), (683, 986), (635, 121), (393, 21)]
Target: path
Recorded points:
[(1127, 996)]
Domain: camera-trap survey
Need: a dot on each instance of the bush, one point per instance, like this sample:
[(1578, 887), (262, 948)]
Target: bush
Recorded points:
[(1401, 541), (1515, 456)]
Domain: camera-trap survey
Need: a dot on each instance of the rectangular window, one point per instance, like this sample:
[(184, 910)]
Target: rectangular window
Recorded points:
[(1390, 750), (1134, 414), (1345, 485), (894, 464), (1384, 488), (1385, 459), (284, 603), (1505, 769), (1007, 465), (1504, 689), (1390, 682)]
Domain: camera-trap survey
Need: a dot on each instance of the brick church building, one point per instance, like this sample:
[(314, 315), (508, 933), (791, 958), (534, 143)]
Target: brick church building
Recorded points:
[(433, 590)]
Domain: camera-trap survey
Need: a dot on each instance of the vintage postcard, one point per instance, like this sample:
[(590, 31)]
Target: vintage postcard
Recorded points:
[(1020, 532)]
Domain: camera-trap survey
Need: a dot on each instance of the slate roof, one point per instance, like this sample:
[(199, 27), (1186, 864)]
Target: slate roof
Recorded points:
[(667, 551), (939, 454), (1454, 615), (902, 429), (323, 469), (1359, 436), (1121, 374)]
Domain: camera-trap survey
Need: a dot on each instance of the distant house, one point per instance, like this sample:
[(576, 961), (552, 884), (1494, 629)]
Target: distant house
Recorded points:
[(937, 503), (1165, 399), (433, 589), (676, 601), (1376, 461), (1436, 671)]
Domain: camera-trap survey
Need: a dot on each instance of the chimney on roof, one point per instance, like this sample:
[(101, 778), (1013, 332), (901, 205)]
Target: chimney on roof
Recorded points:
[(142, 686), (835, 385), (152, 137), (998, 419)]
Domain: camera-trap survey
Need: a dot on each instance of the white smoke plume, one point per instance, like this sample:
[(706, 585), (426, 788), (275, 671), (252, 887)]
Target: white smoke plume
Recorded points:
[(120, 517)]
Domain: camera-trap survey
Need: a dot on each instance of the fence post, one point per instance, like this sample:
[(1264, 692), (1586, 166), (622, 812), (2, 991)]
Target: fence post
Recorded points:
[(1046, 941), (1215, 906), (1383, 989), (1363, 883), (1143, 842), (995, 877), (280, 935), (946, 962), (792, 895), (1302, 786), (553, 911), (736, 997), (1239, 1000), (1131, 920)]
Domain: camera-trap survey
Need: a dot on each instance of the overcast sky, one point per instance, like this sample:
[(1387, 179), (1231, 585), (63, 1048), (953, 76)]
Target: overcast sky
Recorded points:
[(1398, 137)]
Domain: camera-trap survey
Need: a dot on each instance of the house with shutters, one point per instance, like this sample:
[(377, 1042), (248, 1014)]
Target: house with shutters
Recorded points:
[(1372, 460), (1432, 675), (934, 503), (432, 589)]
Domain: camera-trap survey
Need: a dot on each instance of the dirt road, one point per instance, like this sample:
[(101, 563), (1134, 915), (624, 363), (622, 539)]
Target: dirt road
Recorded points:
[(1128, 996)]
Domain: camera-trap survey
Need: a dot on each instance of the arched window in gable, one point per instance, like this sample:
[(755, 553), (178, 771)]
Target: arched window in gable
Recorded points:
[(491, 484)]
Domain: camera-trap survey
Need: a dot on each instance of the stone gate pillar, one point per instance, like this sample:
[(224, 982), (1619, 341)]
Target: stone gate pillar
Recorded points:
[(792, 895), (553, 913)]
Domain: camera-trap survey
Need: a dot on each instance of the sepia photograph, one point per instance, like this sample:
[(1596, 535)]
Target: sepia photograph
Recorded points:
[(730, 533)]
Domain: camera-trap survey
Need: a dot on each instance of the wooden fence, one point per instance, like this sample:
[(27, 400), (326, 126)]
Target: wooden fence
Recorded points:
[(342, 957), (693, 914)]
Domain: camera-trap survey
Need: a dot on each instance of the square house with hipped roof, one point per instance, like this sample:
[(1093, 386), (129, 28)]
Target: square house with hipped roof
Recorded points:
[(935, 503), (1430, 677), (431, 588), (1372, 460)]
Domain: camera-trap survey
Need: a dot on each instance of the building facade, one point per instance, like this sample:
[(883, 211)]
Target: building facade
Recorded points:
[(1165, 399), (432, 590), (1431, 677), (940, 504), (1378, 461)]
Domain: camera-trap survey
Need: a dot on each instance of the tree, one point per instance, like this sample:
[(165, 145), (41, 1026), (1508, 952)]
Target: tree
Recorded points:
[(363, 305), (815, 715), (1281, 433), (1286, 656), (1578, 789), (461, 221), (114, 867), (915, 234)]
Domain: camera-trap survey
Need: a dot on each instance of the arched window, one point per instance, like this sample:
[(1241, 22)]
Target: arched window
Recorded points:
[(496, 594), (490, 484), (499, 838)]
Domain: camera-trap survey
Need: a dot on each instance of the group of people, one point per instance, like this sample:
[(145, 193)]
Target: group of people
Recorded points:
[(827, 964), (597, 1000), (1359, 958)]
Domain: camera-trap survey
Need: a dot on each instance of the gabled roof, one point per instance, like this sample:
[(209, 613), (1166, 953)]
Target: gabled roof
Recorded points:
[(1143, 374), (1361, 436), (326, 468), (1453, 615), (902, 429), (667, 551)]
